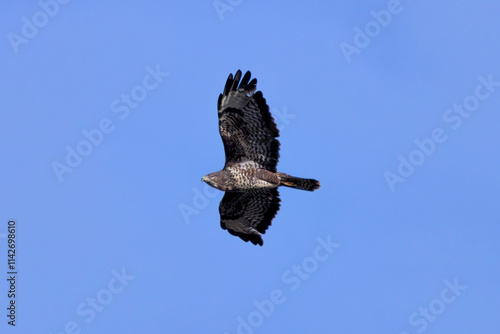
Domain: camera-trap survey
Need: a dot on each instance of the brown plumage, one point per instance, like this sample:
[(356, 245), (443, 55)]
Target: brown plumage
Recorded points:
[(249, 176)]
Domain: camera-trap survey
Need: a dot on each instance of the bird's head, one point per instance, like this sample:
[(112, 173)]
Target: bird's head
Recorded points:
[(212, 180)]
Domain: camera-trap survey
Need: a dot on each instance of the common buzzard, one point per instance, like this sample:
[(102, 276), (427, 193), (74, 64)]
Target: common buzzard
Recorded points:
[(249, 176)]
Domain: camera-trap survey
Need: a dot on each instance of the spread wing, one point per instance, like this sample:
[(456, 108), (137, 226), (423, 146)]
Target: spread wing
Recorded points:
[(248, 214), (246, 126)]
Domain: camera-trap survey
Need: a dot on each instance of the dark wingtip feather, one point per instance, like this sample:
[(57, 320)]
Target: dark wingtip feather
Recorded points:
[(219, 101), (251, 87), (252, 83), (233, 83), (244, 81), (257, 240), (229, 82), (236, 80)]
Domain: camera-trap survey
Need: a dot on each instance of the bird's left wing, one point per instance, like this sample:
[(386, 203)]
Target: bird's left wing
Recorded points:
[(246, 126)]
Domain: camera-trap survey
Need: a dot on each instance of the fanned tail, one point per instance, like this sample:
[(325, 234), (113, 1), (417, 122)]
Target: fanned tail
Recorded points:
[(298, 183)]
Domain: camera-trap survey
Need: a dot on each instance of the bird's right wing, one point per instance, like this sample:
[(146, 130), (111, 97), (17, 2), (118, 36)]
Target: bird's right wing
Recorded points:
[(248, 214)]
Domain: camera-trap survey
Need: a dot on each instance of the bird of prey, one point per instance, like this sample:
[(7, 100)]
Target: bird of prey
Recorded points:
[(249, 176)]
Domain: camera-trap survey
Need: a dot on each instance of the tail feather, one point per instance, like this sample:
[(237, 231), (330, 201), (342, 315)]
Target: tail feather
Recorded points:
[(298, 183)]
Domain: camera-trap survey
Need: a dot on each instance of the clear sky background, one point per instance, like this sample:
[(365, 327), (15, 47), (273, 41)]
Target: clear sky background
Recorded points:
[(393, 106)]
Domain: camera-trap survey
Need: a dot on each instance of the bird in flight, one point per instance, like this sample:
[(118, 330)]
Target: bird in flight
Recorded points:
[(249, 177)]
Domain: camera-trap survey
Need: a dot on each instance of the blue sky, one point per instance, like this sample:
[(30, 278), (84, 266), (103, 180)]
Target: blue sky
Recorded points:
[(393, 106)]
